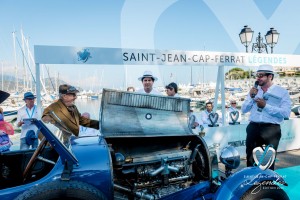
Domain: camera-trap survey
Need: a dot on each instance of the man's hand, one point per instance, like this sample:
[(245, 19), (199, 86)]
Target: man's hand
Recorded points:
[(48, 119), (20, 123), (253, 92), (195, 125), (261, 103)]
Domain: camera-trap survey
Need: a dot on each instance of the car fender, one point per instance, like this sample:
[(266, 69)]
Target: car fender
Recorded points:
[(240, 182)]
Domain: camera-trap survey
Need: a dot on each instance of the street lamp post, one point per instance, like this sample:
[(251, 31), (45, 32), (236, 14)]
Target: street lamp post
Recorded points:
[(246, 35), (259, 46), (272, 38)]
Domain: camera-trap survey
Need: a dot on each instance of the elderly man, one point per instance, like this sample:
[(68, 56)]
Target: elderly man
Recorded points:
[(268, 105), (148, 81), (65, 115)]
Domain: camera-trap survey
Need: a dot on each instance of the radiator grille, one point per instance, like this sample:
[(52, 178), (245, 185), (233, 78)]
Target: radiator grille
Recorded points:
[(145, 101)]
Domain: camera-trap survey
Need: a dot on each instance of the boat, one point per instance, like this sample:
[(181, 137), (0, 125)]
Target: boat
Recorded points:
[(10, 113)]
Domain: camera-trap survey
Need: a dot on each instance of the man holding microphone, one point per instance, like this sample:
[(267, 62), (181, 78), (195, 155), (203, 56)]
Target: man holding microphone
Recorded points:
[(268, 105)]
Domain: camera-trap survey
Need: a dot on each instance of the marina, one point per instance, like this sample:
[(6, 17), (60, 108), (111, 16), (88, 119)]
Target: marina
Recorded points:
[(148, 146)]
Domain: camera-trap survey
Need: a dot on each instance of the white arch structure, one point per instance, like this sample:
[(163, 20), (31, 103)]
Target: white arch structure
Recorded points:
[(222, 136), (121, 56)]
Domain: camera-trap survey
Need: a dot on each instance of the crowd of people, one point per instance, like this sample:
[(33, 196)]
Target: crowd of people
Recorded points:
[(267, 103)]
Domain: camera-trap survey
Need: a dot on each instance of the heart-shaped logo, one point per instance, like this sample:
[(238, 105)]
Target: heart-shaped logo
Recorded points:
[(264, 158), (234, 116), (213, 118)]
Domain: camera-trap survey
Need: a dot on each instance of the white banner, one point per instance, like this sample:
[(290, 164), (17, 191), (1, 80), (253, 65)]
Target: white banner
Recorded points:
[(119, 56)]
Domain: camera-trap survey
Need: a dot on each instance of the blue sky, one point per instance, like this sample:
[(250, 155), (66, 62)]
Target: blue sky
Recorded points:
[(209, 25)]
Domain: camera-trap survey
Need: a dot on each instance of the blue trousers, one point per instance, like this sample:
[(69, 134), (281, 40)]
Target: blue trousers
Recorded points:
[(24, 145)]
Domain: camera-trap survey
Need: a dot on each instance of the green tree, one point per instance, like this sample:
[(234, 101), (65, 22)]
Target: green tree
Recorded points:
[(237, 73)]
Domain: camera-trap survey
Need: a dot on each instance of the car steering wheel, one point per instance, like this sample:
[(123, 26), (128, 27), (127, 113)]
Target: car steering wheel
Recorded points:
[(32, 160)]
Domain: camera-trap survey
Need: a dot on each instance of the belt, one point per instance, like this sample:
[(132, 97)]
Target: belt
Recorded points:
[(264, 124)]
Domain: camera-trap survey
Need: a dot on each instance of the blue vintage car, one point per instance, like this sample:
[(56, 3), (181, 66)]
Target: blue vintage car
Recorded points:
[(146, 150)]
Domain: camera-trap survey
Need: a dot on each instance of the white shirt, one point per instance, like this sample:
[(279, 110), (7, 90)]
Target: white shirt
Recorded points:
[(275, 110), (26, 113), (153, 91), (232, 109), (204, 116), (86, 131)]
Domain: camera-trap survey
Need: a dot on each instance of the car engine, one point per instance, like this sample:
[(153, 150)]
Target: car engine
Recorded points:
[(156, 173)]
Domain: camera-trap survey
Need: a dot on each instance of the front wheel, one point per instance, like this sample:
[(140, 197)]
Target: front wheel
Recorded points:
[(265, 191), (62, 190)]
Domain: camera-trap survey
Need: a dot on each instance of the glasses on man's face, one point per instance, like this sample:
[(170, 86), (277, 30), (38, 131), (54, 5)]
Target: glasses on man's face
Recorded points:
[(233, 103), (261, 75), (30, 99)]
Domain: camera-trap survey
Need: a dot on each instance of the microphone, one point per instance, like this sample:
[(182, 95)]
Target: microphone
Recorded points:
[(255, 86)]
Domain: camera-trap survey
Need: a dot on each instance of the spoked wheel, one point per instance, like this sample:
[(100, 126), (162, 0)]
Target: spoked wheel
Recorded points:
[(32, 160), (67, 190)]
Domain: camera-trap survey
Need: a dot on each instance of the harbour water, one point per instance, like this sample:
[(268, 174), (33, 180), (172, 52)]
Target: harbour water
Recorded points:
[(90, 106)]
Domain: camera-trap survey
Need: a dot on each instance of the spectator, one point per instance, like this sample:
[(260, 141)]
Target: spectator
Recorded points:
[(130, 89), (148, 80), (29, 133), (172, 90), (6, 129), (233, 114), (205, 116)]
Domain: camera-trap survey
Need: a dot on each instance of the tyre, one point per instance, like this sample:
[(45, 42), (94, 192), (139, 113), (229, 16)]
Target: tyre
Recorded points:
[(62, 190), (265, 191)]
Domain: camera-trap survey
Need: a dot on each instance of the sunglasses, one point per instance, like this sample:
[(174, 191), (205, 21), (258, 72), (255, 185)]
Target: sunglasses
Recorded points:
[(233, 103), (29, 99), (71, 89), (261, 75)]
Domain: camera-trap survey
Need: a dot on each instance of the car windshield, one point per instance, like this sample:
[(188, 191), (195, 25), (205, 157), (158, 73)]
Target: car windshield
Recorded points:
[(64, 151)]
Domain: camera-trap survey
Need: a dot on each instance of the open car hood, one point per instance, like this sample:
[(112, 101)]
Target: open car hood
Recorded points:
[(3, 96), (127, 114)]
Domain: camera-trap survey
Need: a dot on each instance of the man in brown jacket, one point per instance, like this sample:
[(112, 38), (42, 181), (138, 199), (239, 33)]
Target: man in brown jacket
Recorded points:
[(65, 115)]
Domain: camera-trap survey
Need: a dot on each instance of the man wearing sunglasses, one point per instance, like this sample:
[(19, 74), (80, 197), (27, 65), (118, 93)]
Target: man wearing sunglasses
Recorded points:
[(233, 114), (65, 115), (268, 105)]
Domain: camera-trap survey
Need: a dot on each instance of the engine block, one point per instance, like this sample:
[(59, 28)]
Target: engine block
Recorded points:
[(153, 175)]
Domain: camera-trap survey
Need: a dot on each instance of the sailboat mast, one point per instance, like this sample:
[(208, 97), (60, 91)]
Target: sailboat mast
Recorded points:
[(2, 76), (29, 81), (15, 56), (24, 67), (191, 75)]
